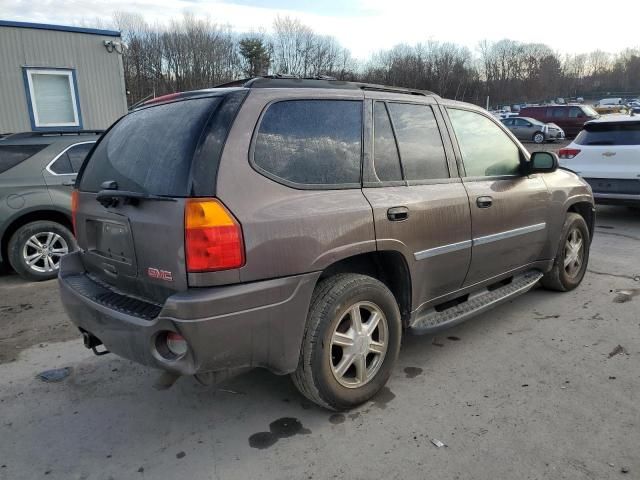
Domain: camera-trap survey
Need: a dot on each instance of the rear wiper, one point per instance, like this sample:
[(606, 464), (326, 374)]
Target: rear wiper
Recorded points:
[(111, 198)]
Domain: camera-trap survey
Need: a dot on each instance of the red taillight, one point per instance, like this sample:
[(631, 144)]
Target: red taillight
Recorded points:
[(213, 237), (74, 209), (568, 153)]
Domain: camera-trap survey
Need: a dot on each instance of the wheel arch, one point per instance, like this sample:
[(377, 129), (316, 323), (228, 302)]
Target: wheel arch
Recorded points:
[(388, 266), (49, 214), (587, 211)]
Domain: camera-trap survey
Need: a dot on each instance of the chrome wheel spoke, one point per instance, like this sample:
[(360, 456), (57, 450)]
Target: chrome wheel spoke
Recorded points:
[(33, 259), (344, 364), (356, 318), (33, 242), (372, 323), (343, 339), (377, 347), (360, 363), (47, 242)]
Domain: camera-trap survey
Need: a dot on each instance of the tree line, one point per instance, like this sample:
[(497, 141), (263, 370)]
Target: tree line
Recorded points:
[(191, 53)]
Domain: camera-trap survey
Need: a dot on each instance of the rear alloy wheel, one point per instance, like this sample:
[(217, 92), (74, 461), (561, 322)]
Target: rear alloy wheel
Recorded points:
[(538, 137), (351, 341), (35, 249), (571, 260)]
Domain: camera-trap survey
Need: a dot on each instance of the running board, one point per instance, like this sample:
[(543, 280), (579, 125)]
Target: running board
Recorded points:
[(478, 302)]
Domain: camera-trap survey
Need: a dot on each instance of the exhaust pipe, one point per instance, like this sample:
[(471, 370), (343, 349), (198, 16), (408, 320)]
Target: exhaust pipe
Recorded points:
[(91, 342)]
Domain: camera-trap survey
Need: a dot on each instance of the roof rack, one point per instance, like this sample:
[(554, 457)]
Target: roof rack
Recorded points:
[(321, 81), (17, 136)]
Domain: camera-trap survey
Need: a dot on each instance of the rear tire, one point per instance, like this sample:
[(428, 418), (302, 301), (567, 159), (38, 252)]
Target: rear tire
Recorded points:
[(570, 263), (32, 257), (342, 366), (538, 137)]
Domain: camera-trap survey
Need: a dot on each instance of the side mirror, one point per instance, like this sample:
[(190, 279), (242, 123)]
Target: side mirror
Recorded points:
[(543, 162)]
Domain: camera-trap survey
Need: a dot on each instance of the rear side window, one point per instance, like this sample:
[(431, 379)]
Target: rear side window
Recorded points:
[(557, 112), (12, 155), (486, 149), (71, 160), (77, 154), (311, 142), (150, 150), (385, 151), (421, 149), (609, 134)]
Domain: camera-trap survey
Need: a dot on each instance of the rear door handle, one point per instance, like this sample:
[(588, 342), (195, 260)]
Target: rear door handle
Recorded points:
[(398, 214), (484, 202), (69, 183)]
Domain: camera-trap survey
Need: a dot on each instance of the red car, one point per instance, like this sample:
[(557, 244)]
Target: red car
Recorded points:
[(570, 118)]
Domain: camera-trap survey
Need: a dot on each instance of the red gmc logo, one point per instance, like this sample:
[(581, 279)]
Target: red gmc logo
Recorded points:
[(160, 274)]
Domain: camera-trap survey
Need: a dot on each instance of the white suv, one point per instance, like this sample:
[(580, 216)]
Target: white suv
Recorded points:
[(606, 153)]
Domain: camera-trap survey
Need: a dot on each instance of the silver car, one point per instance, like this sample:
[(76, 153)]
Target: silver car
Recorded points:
[(526, 128)]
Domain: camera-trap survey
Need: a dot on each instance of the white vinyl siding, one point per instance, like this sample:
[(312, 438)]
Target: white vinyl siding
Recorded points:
[(53, 98)]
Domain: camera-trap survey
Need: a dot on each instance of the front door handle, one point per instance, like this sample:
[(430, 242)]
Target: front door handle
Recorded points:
[(398, 214), (70, 183), (484, 202)]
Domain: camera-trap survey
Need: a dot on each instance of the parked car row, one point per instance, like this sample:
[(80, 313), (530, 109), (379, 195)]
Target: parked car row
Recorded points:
[(37, 174)]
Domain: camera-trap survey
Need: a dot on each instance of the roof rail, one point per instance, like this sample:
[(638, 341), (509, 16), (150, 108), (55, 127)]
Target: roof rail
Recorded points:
[(320, 81), (17, 136)]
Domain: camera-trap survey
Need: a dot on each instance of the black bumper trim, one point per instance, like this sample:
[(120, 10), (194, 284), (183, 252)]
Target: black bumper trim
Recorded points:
[(89, 288)]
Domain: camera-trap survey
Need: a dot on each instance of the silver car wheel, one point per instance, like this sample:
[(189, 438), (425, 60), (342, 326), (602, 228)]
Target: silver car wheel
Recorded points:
[(42, 251), (538, 138), (358, 345), (573, 253)]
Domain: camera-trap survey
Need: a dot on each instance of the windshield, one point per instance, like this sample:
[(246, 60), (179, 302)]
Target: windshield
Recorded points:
[(590, 111)]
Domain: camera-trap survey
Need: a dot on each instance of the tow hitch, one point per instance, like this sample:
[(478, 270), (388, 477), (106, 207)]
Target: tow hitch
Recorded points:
[(92, 342)]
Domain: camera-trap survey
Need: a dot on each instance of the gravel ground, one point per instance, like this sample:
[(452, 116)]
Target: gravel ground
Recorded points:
[(533, 389)]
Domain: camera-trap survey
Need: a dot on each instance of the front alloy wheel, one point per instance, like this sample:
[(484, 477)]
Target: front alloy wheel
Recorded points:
[(573, 253)]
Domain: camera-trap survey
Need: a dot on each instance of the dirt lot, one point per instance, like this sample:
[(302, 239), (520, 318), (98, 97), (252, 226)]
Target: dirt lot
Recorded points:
[(534, 389)]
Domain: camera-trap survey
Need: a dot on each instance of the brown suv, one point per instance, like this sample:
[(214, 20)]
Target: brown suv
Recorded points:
[(304, 226)]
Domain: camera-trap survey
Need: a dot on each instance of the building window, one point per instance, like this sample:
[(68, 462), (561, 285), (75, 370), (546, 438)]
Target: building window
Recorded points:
[(52, 98)]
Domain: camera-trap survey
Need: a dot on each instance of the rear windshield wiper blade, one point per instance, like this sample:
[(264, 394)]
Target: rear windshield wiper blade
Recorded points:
[(111, 198)]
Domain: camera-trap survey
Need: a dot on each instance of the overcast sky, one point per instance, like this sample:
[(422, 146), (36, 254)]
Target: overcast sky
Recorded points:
[(364, 26)]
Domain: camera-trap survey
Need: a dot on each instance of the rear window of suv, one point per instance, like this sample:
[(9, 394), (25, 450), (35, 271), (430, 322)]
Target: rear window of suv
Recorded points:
[(610, 134), (311, 142), (151, 150)]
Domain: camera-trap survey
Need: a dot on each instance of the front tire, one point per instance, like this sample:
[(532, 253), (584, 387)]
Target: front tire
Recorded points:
[(351, 341), (572, 258), (538, 137), (35, 249)]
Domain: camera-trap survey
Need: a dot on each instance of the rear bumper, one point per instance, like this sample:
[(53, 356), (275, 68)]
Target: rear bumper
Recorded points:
[(258, 324)]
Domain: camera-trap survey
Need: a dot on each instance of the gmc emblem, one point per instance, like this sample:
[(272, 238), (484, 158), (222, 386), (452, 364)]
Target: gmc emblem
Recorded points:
[(160, 274)]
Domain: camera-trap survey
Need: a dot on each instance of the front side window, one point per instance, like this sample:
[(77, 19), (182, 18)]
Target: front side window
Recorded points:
[(421, 149), (522, 123), (575, 112), (52, 98), (486, 149), (311, 142)]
